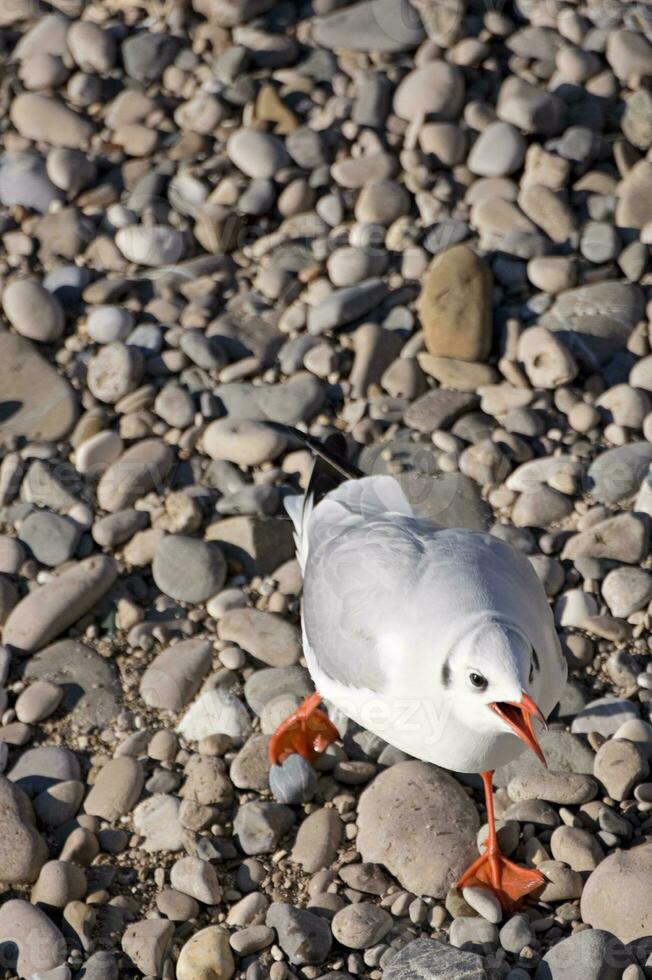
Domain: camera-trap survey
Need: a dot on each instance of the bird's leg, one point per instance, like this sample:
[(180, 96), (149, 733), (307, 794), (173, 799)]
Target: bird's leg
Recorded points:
[(308, 731), (510, 882)]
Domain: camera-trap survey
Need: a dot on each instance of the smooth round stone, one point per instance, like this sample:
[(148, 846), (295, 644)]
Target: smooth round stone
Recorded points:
[(599, 242), (59, 803), (89, 681), (106, 324), (206, 956), (22, 850), (58, 883), (256, 154), (591, 953), (146, 943), (8, 598), (175, 406), (44, 118), (303, 936), (33, 311), (577, 848), (116, 789), (50, 609), (94, 455), (12, 555), (349, 265), (197, 878), (30, 943), (382, 202), (616, 896), (265, 635), (51, 538), (39, 769), (141, 468), (620, 765), (151, 245), (246, 443), (176, 906), (498, 151), (24, 181), (156, 819), (114, 371), (188, 569), (93, 49), (294, 781), (626, 590), (435, 89), (361, 925), (175, 675), (38, 701), (389, 830), (70, 170)]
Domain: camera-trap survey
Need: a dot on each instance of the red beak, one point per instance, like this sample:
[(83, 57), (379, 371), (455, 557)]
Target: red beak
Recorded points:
[(518, 715)]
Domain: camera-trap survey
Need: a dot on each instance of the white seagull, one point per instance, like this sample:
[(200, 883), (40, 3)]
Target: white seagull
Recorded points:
[(440, 641)]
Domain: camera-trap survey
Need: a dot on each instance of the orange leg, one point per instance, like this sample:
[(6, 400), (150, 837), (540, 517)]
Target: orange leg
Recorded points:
[(308, 731), (510, 882)]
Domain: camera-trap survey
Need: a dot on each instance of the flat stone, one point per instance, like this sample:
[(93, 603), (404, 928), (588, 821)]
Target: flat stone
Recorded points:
[(429, 959), (390, 830), (47, 611), (24, 375), (372, 25), (616, 895), (264, 686), (620, 765), (567, 788), (250, 767), (175, 675), (457, 292), (91, 690)]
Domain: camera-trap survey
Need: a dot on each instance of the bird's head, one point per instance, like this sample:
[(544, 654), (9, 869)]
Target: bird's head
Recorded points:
[(492, 672)]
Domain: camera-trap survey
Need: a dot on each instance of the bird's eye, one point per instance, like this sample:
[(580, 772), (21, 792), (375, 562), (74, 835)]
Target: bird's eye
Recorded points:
[(478, 681)]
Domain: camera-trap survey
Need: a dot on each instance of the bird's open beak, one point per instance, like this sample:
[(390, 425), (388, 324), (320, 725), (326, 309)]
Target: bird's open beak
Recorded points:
[(518, 715)]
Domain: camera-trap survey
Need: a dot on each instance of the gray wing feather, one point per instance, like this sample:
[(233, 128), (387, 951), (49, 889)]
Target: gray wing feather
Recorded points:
[(356, 585)]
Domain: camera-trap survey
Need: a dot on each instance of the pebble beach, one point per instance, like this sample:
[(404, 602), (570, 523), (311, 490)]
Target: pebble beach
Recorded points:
[(425, 225)]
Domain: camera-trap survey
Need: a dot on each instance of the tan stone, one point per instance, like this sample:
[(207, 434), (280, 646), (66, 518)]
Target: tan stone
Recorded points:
[(206, 956), (455, 305)]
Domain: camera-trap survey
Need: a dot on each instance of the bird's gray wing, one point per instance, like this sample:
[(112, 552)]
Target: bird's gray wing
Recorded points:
[(356, 585)]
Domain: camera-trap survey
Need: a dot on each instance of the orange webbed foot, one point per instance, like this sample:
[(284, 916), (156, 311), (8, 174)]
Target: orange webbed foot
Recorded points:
[(511, 883), (308, 731)]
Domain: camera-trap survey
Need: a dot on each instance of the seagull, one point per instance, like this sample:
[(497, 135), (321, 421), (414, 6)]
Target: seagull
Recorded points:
[(439, 640)]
